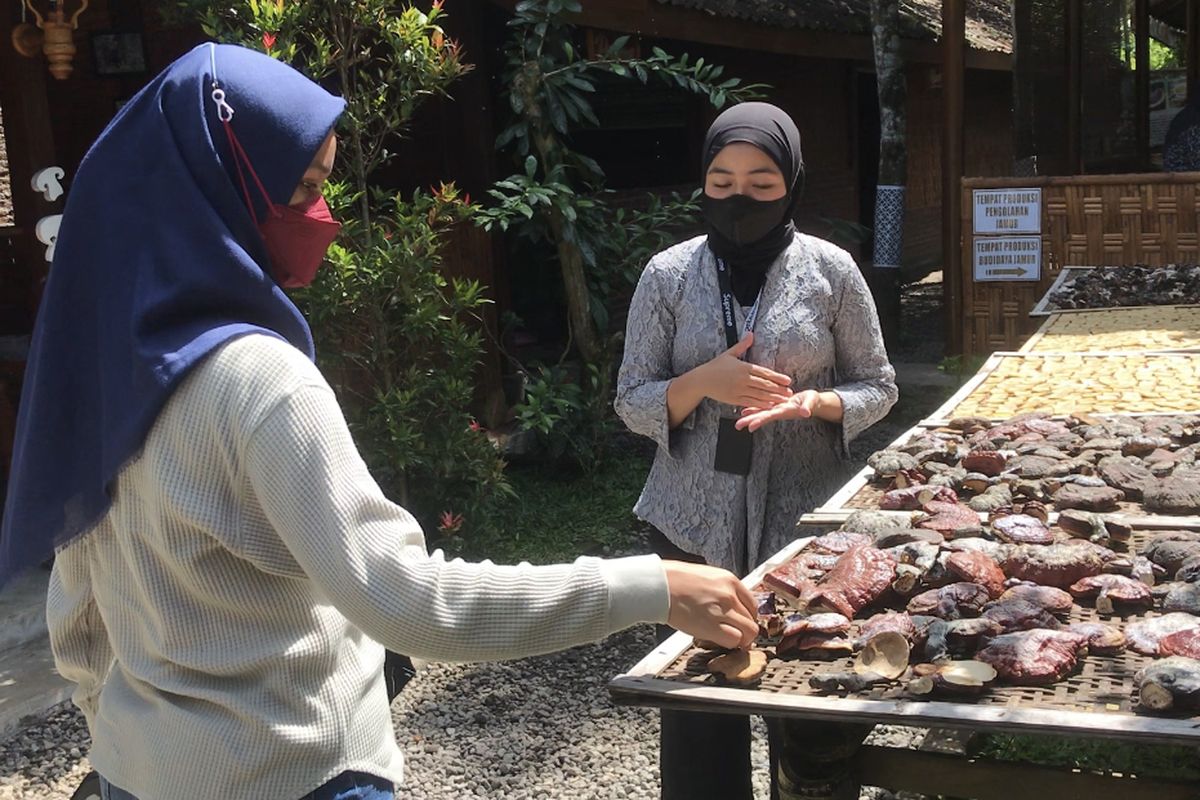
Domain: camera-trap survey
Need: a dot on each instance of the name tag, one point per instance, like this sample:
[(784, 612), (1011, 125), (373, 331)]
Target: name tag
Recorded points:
[(734, 448)]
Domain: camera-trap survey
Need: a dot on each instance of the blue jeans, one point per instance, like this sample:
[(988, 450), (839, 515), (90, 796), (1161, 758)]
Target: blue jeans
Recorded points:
[(347, 786)]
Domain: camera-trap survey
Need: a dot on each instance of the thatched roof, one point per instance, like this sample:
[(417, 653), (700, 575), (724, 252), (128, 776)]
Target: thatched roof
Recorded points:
[(989, 22), (1171, 12)]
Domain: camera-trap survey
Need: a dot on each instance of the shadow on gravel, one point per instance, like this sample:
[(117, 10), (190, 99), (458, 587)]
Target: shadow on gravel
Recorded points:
[(529, 728)]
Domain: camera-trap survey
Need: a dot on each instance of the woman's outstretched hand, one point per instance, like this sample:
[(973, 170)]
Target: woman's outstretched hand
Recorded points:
[(801, 405), (711, 604)]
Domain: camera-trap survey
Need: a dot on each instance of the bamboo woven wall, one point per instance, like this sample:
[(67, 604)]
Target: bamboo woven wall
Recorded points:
[(1089, 220)]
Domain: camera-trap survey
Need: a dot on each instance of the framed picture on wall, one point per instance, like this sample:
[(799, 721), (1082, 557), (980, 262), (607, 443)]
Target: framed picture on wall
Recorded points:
[(116, 53)]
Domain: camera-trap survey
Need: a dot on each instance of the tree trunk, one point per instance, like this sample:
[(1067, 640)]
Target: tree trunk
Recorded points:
[(893, 165), (570, 256), (579, 302)]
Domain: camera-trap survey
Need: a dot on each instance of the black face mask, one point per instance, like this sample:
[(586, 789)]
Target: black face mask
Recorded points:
[(741, 219)]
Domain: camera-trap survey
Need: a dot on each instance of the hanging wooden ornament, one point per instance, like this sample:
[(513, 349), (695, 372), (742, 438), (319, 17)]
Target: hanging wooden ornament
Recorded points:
[(59, 44), (27, 38)]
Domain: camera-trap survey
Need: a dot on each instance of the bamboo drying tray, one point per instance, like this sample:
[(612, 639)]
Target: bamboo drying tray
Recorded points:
[(1097, 701), (863, 493), (1147, 328), (845, 498), (1137, 384), (1044, 306)]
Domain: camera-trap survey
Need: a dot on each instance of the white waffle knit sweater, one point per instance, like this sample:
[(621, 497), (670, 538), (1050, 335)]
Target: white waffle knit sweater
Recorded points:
[(226, 621)]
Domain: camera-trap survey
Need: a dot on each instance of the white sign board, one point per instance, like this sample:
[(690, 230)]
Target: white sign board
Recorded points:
[(1008, 258), (1008, 211)]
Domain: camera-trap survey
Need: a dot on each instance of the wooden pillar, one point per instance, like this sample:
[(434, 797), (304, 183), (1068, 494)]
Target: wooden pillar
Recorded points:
[(30, 143), (954, 45), (1024, 146), (1074, 86), (467, 134), (30, 147), (1193, 45), (1141, 34)]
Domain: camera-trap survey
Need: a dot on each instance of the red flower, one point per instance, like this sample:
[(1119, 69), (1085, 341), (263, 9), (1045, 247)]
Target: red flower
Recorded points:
[(450, 522), (475, 426), (268, 39), (437, 4)]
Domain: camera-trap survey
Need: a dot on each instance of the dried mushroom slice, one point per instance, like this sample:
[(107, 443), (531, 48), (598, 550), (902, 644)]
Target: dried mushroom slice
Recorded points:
[(951, 677), (740, 667), (885, 654)]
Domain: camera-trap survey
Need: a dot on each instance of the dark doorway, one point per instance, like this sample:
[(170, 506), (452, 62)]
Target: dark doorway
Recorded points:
[(867, 130)]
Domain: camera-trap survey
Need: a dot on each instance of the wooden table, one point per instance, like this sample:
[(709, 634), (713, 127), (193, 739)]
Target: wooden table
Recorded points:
[(661, 680)]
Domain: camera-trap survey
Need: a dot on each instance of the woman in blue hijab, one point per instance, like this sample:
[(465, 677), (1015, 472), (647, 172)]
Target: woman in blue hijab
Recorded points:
[(227, 574)]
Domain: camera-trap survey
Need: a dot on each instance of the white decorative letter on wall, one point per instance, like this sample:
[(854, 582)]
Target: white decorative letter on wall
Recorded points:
[(48, 181), (46, 231)]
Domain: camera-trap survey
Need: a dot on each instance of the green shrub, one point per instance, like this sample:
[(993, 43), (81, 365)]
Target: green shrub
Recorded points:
[(397, 340)]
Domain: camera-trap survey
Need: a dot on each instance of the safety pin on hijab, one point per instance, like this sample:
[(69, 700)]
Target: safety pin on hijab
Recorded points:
[(224, 110)]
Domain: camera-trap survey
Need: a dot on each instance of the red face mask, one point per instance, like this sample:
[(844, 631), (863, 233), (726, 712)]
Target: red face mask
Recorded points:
[(297, 238)]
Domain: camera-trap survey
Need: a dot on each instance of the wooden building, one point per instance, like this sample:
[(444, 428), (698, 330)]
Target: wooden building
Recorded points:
[(816, 54), (1085, 147), (817, 57), (44, 122)]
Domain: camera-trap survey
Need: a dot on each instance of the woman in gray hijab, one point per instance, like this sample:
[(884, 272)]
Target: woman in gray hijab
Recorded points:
[(753, 356)]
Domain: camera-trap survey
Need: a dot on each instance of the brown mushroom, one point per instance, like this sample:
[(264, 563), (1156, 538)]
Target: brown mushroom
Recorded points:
[(951, 677), (740, 667), (886, 654)]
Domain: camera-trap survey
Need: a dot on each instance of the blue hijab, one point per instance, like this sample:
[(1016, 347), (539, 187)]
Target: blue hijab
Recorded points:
[(158, 263)]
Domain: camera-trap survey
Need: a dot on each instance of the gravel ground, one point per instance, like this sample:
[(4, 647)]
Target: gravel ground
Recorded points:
[(539, 728), (523, 730), (923, 327)]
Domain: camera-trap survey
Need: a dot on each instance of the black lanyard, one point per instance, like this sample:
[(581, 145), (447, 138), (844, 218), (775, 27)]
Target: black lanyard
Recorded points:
[(734, 448), (725, 281)]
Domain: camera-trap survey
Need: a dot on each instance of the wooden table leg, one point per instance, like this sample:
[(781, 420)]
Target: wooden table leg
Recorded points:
[(815, 759)]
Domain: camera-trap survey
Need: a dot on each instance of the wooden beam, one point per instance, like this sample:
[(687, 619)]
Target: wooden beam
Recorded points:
[(954, 29), (1193, 46), (1023, 82), (1116, 179), (29, 137), (1074, 85), (639, 688), (30, 142), (1141, 35), (653, 19), (955, 776)]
